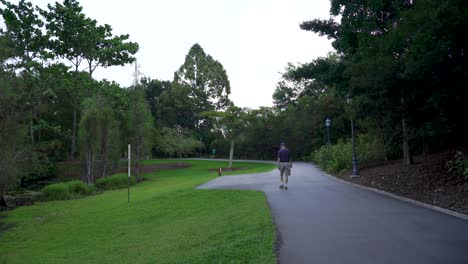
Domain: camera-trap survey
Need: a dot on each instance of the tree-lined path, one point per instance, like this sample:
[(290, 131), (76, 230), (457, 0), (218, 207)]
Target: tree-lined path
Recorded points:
[(321, 220)]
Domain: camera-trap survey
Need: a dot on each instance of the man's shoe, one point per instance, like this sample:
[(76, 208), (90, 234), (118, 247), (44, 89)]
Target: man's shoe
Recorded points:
[(285, 187), (281, 186)]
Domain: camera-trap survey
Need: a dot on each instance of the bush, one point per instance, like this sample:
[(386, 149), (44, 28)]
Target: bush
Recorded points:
[(79, 187), (369, 148), (57, 191), (334, 158), (66, 191), (41, 169), (339, 157), (116, 181), (459, 165)]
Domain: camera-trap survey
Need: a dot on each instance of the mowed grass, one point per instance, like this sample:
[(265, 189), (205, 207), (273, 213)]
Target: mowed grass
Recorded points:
[(166, 221)]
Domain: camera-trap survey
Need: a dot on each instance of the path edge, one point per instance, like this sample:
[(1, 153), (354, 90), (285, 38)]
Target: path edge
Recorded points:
[(394, 196)]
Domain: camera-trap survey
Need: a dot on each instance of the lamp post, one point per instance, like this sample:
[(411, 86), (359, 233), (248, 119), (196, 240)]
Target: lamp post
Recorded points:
[(327, 123), (353, 140)]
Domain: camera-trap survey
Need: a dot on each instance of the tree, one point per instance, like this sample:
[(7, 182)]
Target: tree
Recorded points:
[(177, 108), (177, 142), (24, 30), (154, 88), (77, 38), (206, 78), (14, 152), (99, 136), (231, 123), (140, 127)]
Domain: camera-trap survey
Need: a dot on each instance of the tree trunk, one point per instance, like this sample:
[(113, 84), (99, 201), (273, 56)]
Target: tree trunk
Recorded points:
[(104, 168), (88, 168), (73, 145), (426, 149), (31, 127), (231, 154), (407, 158), (38, 117), (383, 138), (137, 171), (3, 201)]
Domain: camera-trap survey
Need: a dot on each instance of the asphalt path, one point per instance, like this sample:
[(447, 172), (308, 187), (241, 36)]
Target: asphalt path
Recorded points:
[(321, 220)]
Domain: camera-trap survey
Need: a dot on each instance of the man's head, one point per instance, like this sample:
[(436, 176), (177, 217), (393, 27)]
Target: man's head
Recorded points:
[(282, 145)]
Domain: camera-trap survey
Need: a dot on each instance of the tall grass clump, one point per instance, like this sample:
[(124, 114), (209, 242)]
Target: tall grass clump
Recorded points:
[(66, 191), (116, 181)]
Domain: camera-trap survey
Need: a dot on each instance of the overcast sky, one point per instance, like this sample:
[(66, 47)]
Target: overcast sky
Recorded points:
[(253, 40)]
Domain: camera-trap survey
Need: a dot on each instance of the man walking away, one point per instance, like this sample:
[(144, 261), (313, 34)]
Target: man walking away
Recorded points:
[(284, 165)]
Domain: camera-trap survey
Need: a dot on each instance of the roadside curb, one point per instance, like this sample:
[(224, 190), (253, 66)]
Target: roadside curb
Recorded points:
[(401, 198)]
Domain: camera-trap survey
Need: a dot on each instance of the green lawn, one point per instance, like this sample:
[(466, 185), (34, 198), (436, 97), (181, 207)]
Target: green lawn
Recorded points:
[(167, 221)]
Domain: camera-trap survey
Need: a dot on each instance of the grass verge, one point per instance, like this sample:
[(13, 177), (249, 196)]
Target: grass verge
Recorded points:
[(167, 221)]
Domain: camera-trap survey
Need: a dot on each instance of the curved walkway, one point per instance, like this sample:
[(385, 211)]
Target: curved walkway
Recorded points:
[(321, 220)]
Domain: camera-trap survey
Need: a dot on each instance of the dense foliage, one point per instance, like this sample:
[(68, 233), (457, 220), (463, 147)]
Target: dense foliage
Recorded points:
[(399, 70)]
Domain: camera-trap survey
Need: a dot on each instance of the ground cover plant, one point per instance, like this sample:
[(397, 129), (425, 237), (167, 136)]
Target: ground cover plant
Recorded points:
[(166, 221)]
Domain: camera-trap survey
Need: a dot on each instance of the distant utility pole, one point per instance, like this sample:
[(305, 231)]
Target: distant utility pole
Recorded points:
[(136, 74)]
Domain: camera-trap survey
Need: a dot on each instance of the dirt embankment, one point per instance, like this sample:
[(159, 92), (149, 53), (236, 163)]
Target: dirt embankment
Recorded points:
[(427, 181)]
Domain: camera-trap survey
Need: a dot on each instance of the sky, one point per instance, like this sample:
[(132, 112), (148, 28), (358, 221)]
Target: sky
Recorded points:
[(253, 39)]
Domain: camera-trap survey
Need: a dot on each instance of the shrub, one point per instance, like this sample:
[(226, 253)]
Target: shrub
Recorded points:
[(459, 165), (57, 191), (79, 187), (66, 190), (334, 158), (41, 169), (369, 148), (116, 181), (338, 157)]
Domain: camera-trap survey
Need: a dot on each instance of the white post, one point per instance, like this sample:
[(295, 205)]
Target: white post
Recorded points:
[(129, 153), (129, 156)]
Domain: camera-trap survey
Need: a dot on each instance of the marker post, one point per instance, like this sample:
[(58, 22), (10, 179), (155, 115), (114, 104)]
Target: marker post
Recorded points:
[(129, 154)]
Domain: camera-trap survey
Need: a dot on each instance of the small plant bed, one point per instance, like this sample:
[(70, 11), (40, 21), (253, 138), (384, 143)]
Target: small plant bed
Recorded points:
[(427, 181)]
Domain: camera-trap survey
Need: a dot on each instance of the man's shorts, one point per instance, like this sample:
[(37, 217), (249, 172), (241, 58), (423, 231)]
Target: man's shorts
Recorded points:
[(284, 168)]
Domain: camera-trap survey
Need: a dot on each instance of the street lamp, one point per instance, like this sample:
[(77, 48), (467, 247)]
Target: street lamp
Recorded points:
[(327, 123), (353, 140)]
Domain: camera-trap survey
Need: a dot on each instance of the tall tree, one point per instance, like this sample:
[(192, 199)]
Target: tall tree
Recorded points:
[(13, 123), (140, 127), (154, 88), (24, 30), (363, 25), (77, 38), (207, 79), (99, 136)]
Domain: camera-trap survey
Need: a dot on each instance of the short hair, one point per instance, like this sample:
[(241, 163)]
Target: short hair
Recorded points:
[(282, 144)]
